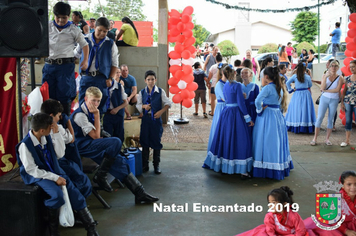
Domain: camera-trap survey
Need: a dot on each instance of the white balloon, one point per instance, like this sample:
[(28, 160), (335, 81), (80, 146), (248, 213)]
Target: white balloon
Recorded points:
[(182, 84), (188, 62), (175, 62)]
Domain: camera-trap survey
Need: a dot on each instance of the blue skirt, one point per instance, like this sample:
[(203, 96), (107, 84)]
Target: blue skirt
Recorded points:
[(218, 109), (230, 150), (300, 117), (270, 146)]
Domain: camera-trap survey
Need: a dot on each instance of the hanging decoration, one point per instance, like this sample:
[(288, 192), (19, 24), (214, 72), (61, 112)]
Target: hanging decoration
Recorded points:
[(350, 54), (306, 8), (180, 32)]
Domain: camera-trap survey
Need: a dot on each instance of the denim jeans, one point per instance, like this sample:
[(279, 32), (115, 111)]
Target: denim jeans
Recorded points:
[(326, 103), (349, 109)]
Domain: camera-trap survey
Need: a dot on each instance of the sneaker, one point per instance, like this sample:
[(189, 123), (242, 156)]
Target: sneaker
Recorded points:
[(205, 115)]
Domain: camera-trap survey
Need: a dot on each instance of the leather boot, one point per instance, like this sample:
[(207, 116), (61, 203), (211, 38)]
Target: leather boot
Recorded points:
[(85, 216), (53, 215), (145, 157), (100, 176), (156, 160), (137, 189)]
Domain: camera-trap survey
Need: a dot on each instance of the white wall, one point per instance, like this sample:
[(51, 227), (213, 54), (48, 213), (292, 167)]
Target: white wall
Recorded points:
[(264, 33)]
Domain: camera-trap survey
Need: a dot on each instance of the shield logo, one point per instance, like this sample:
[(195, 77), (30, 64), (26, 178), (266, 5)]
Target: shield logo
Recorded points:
[(328, 207)]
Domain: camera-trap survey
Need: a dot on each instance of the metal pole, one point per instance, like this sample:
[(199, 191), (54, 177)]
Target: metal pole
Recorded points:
[(318, 31), (33, 79), (19, 96)]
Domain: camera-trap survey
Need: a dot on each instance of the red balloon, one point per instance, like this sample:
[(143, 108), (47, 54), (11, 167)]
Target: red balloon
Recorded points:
[(172, 39), (188, 78), (174, 32), (351, 46), (192, 95), (185, 93), (353, 54), (191, 49), (187, 69), (173, 81), (346, 71), (177, 98), (171, 26), (190, 41), (192, 86), (351, 25), (181, 27), (190, 25), (189, 10), (343, 121), (186, 18), (348, 40), (174, 55), (180, 38), (187, 103), (351, 33), (348, 53), (173, 69), (186, 54), (174, 89), (179, 74), (352, 17), (188, 33), (174, 12), (174, 20), (347, 60), (179, 48)]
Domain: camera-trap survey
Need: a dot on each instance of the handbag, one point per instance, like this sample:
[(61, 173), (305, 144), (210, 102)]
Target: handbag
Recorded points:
[(66, 217), (318, 99)]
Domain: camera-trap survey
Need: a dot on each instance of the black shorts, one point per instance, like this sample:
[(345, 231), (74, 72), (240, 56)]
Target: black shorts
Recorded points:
[(212, 90)]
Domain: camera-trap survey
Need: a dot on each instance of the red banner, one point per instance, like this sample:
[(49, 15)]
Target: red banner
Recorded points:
[(8, 119)]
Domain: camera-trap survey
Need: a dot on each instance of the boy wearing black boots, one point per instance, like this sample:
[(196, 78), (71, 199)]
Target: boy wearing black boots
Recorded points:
[(104, 151), (152, 101), (37, 158)]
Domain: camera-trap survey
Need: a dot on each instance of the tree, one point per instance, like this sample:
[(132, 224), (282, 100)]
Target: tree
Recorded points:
[(228, 49), (305, 27), (269, 47), (200, 34), (352, 5)]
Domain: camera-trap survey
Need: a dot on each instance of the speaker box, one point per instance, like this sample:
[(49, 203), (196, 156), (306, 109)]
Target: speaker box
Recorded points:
[(24, 28), (21, 210)]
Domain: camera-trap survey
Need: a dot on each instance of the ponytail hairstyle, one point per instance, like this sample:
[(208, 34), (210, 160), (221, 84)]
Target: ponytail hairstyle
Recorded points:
[(283, 49), (273, 74), (128, 21), (301, 68), (229, 73), (78, 13), (220, 70), (282, 195), (265, 62)]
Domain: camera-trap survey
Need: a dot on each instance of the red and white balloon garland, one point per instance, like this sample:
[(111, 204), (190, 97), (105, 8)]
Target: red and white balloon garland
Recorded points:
[(180, 27), (350, 40)]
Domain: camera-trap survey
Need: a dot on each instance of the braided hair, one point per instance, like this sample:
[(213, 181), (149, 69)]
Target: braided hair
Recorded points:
[(273, 74)]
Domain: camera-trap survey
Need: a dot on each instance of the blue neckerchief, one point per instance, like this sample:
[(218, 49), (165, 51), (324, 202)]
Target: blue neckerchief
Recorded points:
[(93, 53), (108, 101), (62, 27), (47, 156), (148, 101), (91, 115), (222, 81)]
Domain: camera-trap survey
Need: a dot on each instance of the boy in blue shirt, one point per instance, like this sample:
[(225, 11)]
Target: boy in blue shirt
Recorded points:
[(37, 158), (152, 101), (106, 152), (113, 121)]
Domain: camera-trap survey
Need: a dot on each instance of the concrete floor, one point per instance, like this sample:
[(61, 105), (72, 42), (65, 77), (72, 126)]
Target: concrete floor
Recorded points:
[(184, 181)]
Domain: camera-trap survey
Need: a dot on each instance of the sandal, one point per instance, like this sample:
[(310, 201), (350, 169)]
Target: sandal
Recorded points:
[(328, 143), (128, 118), (344, 144), (195, 114), (210, 113), (312, 143), (205, 115)]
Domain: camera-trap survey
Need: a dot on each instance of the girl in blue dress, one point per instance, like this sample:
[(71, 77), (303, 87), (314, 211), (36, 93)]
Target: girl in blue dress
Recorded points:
[(251, 90), (270, 146), (300, 117), (230, 150)]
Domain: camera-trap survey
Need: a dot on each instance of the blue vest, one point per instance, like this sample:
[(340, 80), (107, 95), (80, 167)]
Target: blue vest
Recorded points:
[(38, 158), (79, 136), (116, 99), (103, 56), (156, 101)]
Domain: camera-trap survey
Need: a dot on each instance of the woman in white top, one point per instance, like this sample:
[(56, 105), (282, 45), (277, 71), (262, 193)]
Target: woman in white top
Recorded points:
[(330, 87)]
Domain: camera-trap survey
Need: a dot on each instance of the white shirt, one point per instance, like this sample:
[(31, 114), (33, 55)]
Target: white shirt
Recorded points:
[(123, 94), (214, 70), (65, 133), (61, 43), (165, 100), (114, 53), (333, 86), (29, 163), (82, 120)]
